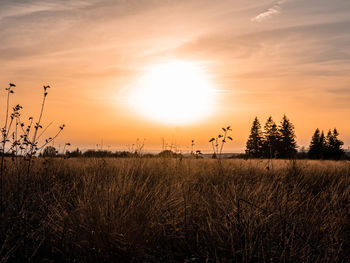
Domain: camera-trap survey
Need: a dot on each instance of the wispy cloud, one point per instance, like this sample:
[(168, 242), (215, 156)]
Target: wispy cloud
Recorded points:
[(23, 8), (274, 10)]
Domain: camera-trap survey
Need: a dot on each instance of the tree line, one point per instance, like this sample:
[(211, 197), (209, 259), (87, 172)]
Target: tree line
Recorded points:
[(326, 147), (279, 141), (273, 141), (51, 151)]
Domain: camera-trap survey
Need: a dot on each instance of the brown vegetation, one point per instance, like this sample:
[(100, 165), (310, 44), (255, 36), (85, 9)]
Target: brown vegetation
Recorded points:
[(175, 210)]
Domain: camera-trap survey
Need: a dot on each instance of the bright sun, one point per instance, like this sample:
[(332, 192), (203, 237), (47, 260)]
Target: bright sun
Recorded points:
[(177, 92)]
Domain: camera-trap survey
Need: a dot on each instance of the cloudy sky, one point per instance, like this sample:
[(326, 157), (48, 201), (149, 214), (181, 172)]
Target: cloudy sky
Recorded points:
[(265, 57)]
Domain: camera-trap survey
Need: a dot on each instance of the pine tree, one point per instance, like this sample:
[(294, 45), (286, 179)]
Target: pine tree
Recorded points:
[(323, 146), (314, 145), (334, 146), (271, 139), (329, 145), (339, 153), (255, 140), (317, 145), (287, 144)]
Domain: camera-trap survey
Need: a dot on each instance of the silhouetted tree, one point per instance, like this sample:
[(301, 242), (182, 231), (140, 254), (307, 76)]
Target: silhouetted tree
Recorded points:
[(287, 144), (98, 153), (271, 139), (317, 145), (323, 145), (124, 154), (334, 146), (255, 141), (338, 145)]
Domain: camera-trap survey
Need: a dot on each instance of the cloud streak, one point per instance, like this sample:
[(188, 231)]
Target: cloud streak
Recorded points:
[(274, 10), (19, 8)]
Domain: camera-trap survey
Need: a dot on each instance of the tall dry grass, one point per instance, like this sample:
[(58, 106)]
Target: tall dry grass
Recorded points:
[(172, 210)]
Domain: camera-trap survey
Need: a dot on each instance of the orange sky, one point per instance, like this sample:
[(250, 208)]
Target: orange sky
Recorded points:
[(263, 57)]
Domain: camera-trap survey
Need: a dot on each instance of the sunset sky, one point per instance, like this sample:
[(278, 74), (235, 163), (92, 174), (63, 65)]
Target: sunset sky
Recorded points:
[(259, 57)]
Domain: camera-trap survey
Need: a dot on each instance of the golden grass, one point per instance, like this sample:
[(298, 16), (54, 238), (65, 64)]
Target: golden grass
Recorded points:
[(172, 210)]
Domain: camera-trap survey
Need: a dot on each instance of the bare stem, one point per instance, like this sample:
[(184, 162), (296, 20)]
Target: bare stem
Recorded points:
[(50, 140), (44, 130), (38, 124), (222, 143)]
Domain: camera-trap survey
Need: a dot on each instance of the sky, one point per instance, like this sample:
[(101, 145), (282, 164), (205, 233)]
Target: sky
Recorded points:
[(263, 58)]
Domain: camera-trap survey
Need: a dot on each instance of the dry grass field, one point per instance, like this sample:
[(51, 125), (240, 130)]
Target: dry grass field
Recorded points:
[(173, 210)]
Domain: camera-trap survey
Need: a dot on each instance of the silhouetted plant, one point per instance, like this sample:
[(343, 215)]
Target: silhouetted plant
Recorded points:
[(219, 141), (195, 153), (192, 146), (21, 142), (24, 138), (34, 143), (138, 147), (5, 133), (64, 152)]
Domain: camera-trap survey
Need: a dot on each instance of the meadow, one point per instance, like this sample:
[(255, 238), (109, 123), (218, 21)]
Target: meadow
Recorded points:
[(175, 210)]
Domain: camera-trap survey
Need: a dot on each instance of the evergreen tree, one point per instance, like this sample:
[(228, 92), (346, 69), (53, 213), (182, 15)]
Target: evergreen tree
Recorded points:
[(314, 145), (287, 144), (338, 144), (323, 146), (329, 145), (317, 145), (255, 140), (334, 146), (271, 139)]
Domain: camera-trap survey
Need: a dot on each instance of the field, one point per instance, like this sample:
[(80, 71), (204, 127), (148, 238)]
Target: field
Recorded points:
[(175, 210)]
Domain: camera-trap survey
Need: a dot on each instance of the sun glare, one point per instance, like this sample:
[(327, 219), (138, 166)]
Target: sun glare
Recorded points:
[(177, 92)]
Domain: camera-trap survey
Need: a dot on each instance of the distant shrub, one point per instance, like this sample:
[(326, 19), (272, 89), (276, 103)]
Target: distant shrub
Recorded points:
[(169, 154), (49, 151)]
